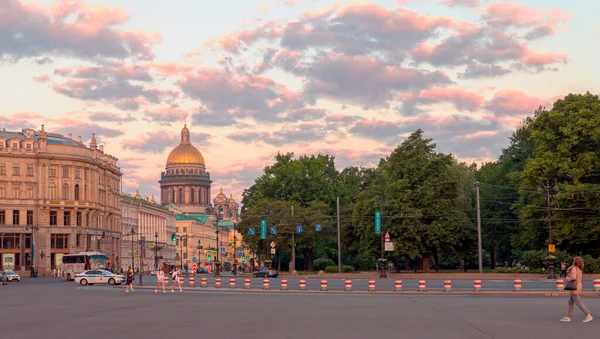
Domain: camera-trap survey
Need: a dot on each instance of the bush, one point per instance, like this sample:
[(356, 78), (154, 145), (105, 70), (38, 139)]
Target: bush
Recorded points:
[(334, 269), (347, 269), (591, 265), (322, 263), (515, 270)]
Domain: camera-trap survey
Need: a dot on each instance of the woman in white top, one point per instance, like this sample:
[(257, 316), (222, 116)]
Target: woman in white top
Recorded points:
[(161, 280), (175, 276)]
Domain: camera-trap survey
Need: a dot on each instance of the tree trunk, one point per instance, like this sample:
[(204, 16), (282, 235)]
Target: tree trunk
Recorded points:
[(426, 264), (407, 264), (308, 257), (279, 263), (465, 267), (437, 263)]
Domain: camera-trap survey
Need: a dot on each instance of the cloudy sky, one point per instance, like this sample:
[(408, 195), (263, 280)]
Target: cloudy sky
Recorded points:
[(257, 77)]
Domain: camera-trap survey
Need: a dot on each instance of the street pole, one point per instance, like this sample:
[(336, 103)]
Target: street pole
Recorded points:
[(132, 254), (547, 186), (142, 253), (181, 251), (382, 234), (293, 263), (479, 245), (155, 250), (339, 242)]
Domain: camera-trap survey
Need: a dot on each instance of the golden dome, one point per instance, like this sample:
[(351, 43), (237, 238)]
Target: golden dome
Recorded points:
[(231, 200), (221, 196), (185, 152)]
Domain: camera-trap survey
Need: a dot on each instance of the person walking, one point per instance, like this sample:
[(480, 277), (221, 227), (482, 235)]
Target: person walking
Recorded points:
[(563, 270), (175, 276), (160, 275), (129, 280), (575, 274)]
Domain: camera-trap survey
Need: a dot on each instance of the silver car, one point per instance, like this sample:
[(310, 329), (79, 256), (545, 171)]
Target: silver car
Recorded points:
[(11, 276), (99, 277)]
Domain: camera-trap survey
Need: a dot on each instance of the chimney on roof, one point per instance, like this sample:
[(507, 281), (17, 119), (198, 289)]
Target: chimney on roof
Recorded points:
[(79, 139), (70, 136), (102, 148)]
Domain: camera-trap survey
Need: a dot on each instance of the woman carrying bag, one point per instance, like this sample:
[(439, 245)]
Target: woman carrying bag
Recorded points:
[(574, 278)]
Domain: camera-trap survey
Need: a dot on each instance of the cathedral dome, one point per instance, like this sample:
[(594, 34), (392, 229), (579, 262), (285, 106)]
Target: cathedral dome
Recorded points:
[(185, 152)]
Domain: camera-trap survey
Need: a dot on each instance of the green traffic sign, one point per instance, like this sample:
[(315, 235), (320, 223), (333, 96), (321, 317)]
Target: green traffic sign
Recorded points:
[(378, 222), (263, 229)]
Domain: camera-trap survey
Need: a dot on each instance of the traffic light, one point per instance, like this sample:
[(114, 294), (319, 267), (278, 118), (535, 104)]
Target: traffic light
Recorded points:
[(173, 237), (209, 258), (243, 258)]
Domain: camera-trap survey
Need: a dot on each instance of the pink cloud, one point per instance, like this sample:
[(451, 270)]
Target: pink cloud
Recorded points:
[(461, 3), (52, 31), (480, 135), (233, 43), (513, 105), (42, 78), (460, 98)]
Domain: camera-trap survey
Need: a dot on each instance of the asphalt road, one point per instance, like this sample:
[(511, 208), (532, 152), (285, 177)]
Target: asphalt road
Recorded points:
[(66, 310)]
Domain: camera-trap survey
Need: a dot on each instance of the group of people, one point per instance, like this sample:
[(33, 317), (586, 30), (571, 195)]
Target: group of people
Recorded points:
[(160, 276)]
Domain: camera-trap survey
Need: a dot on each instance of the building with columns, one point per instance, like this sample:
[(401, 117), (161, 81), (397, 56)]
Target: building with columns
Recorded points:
[(146, 232), (57, 196)]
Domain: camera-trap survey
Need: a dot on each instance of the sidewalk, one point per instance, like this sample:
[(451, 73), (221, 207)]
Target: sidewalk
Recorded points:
[(430, 276)]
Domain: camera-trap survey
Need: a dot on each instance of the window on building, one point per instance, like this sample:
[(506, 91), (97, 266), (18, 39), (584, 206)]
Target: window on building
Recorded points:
[(2, 192), (2, 217), (65, 191), (52, 171), (185, 255), (29, 218), (76, 192), (192, 196), (16, 170), (52, 190), (2, 169), (67, 218), (59, 241), (87, 220), (185, 230), (78, 240), (29, 170), (77, 169), (16, 217), (29, 192), (85, 197), (78, 219), (10, 241), (28, 146), (85, 173), (16, 192), (53, 218), (15, 145), (65, 173), (181, 195)]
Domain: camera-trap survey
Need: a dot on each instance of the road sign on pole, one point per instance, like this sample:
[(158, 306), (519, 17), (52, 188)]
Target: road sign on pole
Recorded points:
[(194, 259), (318, 227), (272, 251), (251, 231), (222, 249), (378, 222), (387, 236), (272, 244), (263, 229), (299, 229), (273, 230)]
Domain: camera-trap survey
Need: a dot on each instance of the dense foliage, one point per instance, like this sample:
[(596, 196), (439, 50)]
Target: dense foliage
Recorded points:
[(427, 200)]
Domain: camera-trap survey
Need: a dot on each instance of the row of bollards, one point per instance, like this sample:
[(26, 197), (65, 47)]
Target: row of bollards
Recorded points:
[(398, 287)]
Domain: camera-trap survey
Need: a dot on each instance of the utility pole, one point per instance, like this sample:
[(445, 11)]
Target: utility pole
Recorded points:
[(293, 261), (339, 242), (479, 245)]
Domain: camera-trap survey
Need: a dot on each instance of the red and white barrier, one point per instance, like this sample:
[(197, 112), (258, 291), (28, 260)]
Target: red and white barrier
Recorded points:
[(284, 285), (398, 286), (246, 284), (560, 285), (231, 283), (203, 282), (166, 280), (181, 280), (348, 285), (477, 285), (323, 285), (218, 283), (302, 285), (596, 285), (447, 286), (266, 285), (422, 286), (192, 282), (371, 286), (517, 285)]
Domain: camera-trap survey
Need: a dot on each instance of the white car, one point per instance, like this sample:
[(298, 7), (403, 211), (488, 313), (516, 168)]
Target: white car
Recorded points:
[(99, 277), (12, 276)]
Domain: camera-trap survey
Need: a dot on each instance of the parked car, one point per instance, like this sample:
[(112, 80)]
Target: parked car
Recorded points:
[(99, 277), (201, 270), (266, 272), (11, 276), (154, 272)]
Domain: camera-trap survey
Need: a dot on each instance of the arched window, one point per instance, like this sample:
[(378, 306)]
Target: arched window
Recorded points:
[(173, 195), (177, 171), (192, 196), (76, 192), (196, 171), (52, 190), (230, 214), (65, 192), (186, 171), (181, 195)]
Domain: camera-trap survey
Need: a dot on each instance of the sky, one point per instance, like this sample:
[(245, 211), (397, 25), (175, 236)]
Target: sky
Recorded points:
[(252, 78)]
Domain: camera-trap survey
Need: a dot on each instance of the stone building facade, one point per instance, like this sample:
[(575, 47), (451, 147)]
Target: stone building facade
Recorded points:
[(143, 218), (57, 196)]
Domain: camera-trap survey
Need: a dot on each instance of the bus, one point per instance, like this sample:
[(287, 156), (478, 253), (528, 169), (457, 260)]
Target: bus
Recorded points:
[(73, 264)]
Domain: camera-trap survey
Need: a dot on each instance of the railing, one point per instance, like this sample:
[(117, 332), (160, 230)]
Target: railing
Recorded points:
[(184, 176)]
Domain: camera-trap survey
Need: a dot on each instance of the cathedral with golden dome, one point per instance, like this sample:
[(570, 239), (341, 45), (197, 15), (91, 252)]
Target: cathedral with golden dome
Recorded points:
[(186, 185)]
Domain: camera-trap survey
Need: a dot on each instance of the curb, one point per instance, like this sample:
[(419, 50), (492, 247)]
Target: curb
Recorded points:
[(487, 294)]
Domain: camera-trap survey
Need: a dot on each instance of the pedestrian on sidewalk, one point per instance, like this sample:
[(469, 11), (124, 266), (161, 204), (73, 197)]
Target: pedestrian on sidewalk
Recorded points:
[(129, 280), (575, 273), (161, 280), (175, 276), (563, 270)]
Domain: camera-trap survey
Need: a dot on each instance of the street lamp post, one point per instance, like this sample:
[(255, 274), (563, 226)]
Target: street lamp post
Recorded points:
[(380, 202), (234, 252), (132, 253), (217, 214), (547, 186), (155, 250), (32, 228)]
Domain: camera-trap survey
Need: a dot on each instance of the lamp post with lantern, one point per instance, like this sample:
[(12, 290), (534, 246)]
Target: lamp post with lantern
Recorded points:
[(547, 187)]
